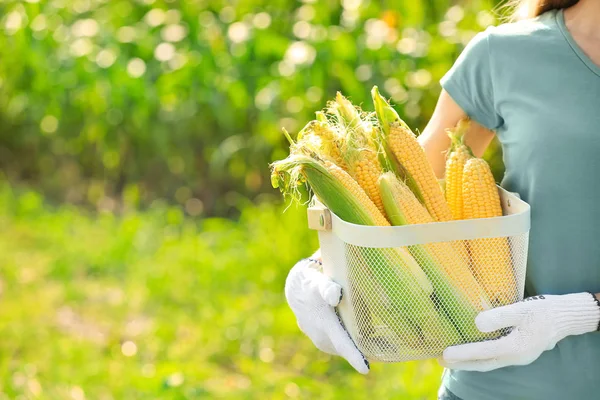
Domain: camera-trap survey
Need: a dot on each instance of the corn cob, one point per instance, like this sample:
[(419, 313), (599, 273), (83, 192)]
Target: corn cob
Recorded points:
[(457, 157), (458, 291), (410, 159), (490, 258), (455, 162), (360, 153), (405, 147), (365, 168)]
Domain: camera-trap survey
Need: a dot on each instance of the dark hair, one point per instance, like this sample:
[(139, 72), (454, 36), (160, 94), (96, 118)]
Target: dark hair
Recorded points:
[(532, 8)]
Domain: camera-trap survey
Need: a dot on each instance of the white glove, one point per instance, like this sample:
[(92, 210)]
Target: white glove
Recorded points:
[(538, 322), (312, 297)]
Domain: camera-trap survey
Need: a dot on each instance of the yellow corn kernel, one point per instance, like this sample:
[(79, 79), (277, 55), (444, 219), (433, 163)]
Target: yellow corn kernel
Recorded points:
[(480, 194), (411, 156), (490, 258), (323, 139), (366, 170)]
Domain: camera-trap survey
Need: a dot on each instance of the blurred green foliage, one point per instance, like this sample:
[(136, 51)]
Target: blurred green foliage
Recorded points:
[(150, 305), (103, 102), (175, 108)]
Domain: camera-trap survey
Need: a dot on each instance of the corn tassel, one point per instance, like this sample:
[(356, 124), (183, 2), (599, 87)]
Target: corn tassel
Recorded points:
[(360, 152), (322, 139)]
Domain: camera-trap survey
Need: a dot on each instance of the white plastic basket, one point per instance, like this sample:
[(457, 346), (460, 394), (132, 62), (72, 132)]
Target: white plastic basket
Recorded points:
[(379, 308)]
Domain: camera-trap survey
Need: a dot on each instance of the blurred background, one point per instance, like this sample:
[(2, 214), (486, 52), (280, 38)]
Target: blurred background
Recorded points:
[(143, 251)]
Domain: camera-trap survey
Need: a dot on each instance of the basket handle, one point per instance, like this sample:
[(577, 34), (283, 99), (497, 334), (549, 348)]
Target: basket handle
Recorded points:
[(319, 218)]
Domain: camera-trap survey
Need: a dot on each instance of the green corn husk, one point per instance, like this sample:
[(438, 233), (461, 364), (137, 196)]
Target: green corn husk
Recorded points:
[(321, 117), (332, 192), (379, 310), (417, 306), (346, 112), (457, 136), (385, 113), (299, 167), (416, 332)]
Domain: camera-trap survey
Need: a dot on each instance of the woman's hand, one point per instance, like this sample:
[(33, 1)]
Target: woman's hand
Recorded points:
[(537, 322), (312, 297)]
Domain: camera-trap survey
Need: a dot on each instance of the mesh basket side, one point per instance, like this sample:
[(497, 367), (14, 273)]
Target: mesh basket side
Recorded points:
[(406, 314)]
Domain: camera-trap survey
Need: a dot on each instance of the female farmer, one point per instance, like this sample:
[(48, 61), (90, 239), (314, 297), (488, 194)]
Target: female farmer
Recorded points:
[(536, 84)]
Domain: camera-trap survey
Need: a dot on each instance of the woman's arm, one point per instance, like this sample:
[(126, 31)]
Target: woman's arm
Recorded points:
[(434, 138)]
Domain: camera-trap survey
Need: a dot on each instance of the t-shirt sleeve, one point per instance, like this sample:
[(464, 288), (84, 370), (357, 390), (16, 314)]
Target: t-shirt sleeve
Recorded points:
[(470, 82)]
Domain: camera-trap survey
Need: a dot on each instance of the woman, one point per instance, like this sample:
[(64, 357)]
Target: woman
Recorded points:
[(536, 84)]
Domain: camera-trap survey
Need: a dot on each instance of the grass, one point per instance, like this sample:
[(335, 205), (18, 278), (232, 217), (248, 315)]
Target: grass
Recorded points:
[(152, 305)]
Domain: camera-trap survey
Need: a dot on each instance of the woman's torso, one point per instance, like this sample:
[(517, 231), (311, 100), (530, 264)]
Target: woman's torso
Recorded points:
[(545, 94)]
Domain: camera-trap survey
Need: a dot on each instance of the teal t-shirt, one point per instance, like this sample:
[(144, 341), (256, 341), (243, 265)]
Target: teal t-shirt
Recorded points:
[(531, 83)]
